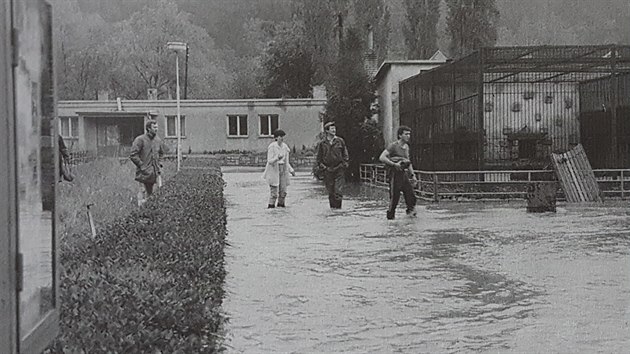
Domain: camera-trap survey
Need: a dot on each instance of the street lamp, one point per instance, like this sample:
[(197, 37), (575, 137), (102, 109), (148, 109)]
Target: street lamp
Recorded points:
[(178, 47)]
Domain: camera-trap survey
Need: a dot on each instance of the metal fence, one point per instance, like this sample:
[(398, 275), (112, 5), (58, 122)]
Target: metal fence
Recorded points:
[(261, 160), (492, 185), (79, 157)]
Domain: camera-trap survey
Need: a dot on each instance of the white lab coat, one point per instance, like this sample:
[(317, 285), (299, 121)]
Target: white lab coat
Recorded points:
[(272, 171)]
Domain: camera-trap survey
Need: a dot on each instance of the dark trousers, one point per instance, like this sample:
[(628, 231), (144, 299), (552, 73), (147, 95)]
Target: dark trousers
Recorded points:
[(399, 182), (148, 187), (334, 181)]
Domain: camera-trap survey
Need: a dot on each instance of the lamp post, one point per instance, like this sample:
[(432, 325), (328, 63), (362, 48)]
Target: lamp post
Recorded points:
[(178, 47), (186, 74)]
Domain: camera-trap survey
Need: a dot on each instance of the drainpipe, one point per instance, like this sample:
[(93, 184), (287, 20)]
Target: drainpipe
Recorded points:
[(614, 151)]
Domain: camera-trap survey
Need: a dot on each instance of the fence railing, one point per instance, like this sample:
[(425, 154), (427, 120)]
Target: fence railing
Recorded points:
[(261, 160), (79, 157), (508, 184)]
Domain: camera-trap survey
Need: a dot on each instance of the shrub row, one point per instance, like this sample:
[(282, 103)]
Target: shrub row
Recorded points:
[(152, 281), (108, 185)]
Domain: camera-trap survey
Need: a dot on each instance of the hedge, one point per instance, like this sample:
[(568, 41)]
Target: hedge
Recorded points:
[(151, 282)]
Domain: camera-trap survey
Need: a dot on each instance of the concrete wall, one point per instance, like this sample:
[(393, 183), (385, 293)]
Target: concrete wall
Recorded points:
[(206, 121)]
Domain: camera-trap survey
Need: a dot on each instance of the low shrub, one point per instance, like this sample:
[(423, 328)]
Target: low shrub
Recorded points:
[(108, 185), (152, 281)]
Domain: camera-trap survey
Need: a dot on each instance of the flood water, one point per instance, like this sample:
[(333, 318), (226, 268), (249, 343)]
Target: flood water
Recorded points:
[(460, 277)]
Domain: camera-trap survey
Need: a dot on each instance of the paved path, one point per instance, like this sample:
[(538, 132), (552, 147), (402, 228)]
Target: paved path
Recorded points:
[(458, 278)]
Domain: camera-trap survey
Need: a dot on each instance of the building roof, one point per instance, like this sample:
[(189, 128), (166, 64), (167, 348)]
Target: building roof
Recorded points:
[(115, 114), (438, 55), (141, 106), (436, 59), (535, 64)]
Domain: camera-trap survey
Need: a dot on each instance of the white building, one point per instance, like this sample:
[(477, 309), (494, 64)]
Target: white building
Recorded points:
[(387, 80)]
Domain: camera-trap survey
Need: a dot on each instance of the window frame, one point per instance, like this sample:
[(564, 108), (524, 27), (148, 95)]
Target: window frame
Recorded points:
[(73, 122), (238, 126), (182, 126), (269, 124)]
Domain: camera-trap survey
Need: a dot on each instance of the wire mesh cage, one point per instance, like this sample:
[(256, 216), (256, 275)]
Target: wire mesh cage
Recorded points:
[(510, 107)]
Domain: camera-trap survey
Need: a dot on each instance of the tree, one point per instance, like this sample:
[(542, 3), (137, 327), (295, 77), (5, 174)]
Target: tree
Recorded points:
[(80, 56), (245, 82), (321, 20), (420, 29), (471, 24), (373, 15), (287, 64), (143, 60), (350, 101)]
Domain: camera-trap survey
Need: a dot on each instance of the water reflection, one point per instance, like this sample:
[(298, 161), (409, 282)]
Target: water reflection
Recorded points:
[(459, 277)]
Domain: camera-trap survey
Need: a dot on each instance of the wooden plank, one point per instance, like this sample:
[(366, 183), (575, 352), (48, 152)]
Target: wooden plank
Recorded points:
[(560, 164), (562, 172), (570, 178), (591, 175), (583, 173), (575, 177), (582, 163)]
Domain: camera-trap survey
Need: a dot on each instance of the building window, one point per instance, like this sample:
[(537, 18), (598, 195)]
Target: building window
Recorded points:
[(268, 124), (237, 125), (171, 126), (69, 127)]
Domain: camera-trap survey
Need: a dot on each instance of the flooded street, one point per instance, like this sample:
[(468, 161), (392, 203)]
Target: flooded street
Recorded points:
[(460, 277)]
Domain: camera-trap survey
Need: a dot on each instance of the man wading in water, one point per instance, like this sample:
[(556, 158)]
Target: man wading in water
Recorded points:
[(278, 169), (332, 159), (401, 175)]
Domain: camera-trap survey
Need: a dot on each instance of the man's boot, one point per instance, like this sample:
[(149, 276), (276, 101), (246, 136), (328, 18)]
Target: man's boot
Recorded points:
[(391, 214)]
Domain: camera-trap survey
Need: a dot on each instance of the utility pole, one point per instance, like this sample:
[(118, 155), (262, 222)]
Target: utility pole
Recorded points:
[(186, 74)]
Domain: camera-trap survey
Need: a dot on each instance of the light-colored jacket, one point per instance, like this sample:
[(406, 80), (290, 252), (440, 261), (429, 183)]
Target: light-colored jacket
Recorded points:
[(272, 171)]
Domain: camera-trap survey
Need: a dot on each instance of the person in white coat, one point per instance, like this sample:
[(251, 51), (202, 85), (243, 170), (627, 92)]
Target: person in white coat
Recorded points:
[(278, 169)]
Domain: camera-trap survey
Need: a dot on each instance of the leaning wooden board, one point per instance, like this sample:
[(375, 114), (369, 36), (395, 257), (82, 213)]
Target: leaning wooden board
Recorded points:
[(576, 176)]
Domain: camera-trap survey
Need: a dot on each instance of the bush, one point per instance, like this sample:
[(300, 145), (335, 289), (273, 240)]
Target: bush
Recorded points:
[(152, 281), (108, 184)]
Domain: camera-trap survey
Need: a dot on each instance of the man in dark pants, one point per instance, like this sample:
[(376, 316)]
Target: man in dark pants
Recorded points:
[(146, 151), (401, 175), (63, 156), (332, 159)]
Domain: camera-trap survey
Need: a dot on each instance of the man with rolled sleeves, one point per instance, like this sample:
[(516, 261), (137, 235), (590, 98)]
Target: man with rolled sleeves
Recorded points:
[(401, 175)]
